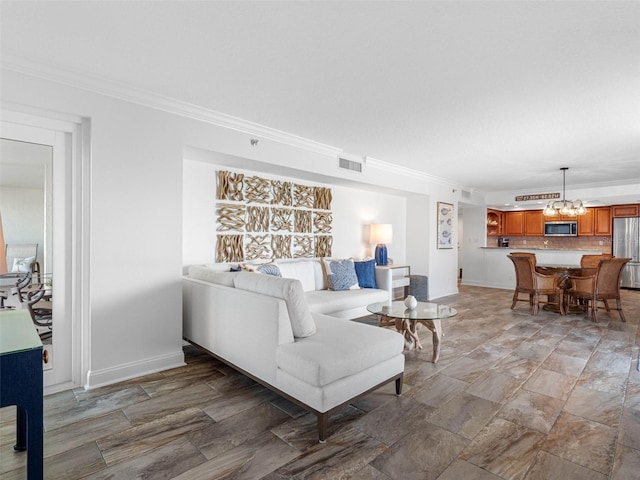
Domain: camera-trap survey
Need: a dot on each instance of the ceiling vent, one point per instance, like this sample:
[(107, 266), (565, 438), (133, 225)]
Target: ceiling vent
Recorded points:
[(350, 163)]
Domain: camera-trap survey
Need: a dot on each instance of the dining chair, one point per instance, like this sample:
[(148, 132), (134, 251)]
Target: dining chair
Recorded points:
[(601, 286), (526, 254), (592, 261), (9, 282), (22, 257), (534, 284), (36, 296)]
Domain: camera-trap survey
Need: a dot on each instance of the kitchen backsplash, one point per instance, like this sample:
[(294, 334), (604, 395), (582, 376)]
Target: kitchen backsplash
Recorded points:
[(570, 243)]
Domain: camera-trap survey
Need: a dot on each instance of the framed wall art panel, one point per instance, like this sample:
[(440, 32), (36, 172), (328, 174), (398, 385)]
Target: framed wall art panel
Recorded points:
[(445, 225)]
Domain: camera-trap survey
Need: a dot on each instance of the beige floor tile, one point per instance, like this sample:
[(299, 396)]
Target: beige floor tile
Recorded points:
[(630, 428), (423, 454), (504, 448), (437, 390), (551, 384), (551, 467), (601, 407), (465, 415), (495, 386), (565, 364), (532, 410), (584, 442), (626, 464)]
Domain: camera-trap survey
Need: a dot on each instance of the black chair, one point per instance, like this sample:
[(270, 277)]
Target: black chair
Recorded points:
[(9, 283), (38, 300)]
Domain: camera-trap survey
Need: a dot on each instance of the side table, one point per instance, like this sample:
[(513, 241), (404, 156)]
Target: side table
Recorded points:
[(21, 384)]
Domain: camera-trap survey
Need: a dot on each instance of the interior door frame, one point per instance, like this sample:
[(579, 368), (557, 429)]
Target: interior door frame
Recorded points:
[(70, 138)]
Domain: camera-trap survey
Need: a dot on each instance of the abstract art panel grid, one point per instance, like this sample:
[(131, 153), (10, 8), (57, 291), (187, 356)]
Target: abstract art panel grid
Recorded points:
[(295, 219)]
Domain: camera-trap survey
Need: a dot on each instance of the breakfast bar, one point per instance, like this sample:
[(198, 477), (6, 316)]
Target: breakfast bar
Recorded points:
[(493, 268)]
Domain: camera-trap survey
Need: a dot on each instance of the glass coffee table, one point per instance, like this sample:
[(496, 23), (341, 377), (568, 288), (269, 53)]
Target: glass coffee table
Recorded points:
[(396, 314)]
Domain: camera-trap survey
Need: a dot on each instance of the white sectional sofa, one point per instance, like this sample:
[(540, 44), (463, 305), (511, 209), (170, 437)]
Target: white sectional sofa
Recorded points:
[(266, 328)]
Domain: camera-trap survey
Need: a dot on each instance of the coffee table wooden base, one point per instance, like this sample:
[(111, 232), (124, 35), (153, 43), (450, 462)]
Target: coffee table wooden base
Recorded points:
[(408, 328)]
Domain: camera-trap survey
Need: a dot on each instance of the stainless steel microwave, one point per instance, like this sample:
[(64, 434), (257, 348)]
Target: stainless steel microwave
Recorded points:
[(560, 229)]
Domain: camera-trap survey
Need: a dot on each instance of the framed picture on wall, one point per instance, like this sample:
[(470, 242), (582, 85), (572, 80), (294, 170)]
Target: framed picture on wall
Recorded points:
[(445, 225)]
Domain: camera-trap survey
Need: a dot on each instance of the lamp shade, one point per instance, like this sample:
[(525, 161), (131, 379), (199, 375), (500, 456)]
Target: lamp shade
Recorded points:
[(381, 233)]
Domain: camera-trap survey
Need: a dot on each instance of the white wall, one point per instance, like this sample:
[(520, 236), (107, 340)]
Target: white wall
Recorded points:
[(352, 211), (474, 235), (136, 195)]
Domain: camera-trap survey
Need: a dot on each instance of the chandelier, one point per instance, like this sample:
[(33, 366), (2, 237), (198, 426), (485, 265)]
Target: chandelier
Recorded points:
[(564, 206)]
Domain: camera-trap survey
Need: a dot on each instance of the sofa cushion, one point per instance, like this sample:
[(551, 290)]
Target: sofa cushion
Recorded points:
[(338, 349), (270, 269), (300, 270), (366, 272), (212, 276), (290, 290), (328, 301), (22, 264), (341, 274)]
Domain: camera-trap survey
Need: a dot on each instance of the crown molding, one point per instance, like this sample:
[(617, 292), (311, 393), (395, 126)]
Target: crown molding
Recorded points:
[(95, 84), (409, 172)]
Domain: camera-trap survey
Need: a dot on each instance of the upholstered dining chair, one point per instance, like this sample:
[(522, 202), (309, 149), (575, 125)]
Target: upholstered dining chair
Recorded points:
[(601, 286), (534, 284), (592, 261), (526, 254)]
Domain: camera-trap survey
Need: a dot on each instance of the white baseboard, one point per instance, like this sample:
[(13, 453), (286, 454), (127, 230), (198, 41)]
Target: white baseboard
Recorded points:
[(127, 371)]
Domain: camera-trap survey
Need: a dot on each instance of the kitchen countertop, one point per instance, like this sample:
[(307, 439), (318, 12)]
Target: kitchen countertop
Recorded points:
[(524, 247), (493, 268)]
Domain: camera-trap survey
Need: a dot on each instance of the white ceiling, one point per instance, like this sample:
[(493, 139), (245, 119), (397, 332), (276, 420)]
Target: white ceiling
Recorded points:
[(490, 95)]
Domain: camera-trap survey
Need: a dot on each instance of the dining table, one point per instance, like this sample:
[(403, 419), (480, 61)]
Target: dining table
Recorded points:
[(564, 272)]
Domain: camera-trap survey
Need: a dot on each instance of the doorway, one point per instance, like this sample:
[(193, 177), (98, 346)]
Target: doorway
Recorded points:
[(41, 161)]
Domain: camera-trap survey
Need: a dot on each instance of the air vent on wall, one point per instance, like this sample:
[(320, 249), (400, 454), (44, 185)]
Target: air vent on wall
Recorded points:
[(466, 194), (350, 164)]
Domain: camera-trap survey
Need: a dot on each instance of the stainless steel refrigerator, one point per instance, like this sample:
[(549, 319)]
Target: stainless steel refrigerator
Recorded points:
[(626, 244)]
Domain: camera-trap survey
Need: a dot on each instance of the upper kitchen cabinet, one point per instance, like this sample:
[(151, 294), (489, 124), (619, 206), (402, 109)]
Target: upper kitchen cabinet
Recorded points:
[(533, 222), (494, 222), (585, 223), (631, 210), (514, 223), (602, 221)]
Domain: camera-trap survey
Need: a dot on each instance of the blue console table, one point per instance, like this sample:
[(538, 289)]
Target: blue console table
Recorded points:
[(21, 384)]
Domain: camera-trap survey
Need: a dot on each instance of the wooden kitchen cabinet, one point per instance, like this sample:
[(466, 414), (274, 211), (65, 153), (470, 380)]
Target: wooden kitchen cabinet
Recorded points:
[(494, 222), (631, 210), (585, 223), (602, 221), (514, 223), (533, 222)]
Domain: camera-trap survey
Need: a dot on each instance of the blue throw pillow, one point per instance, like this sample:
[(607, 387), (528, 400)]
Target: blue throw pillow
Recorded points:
[(343, 275), (366, 272), (270, 269)]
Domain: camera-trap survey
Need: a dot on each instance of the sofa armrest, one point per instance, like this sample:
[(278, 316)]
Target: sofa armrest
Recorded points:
[(243, 328)]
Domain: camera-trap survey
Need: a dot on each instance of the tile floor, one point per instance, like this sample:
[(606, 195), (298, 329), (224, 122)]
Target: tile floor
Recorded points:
[(513, 397)]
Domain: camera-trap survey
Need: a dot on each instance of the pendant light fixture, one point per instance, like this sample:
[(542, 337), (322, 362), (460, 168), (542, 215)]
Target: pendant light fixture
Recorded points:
[(570, 208)]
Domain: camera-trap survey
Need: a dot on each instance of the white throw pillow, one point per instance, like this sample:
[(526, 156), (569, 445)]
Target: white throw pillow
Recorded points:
[(22, 264), (290, 290), (300, 270)]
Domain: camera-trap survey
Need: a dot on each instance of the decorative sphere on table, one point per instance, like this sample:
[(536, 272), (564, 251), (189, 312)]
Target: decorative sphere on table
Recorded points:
[(410, 302)]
